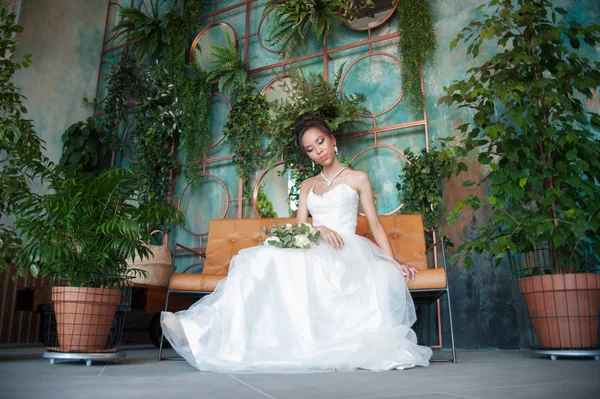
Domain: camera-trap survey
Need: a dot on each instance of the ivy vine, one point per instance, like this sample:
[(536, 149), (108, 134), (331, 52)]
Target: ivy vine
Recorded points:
[(244, 132), (157, 123), (417, 44)]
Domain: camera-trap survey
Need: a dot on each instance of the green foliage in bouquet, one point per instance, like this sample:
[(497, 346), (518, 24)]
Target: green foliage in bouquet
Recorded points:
[(289, 235)]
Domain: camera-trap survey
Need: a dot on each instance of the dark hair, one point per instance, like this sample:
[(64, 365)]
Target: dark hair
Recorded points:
[(307, 121)]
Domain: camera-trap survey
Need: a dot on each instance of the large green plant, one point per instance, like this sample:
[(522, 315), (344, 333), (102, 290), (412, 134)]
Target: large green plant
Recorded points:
[(420, 188), (82, 228), (417, 43), (294, 19), (538, 144), (20, 146), (315, 95)]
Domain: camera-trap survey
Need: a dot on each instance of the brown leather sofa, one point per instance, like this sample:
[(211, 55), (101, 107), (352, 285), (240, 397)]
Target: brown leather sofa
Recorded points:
[(226, 237)]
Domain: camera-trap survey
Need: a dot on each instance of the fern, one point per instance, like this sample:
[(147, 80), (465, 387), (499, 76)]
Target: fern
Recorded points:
[(229, 67), (147, 29), (294, 19)]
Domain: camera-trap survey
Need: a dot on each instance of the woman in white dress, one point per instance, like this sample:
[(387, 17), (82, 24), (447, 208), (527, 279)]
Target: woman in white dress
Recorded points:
[(341, 305)]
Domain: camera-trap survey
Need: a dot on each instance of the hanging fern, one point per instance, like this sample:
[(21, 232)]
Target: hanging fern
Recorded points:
[(229, 67), (295, 18), (195, 97), (244, 132), (312, 94), (124, 86), (417, 44), (148, 29)]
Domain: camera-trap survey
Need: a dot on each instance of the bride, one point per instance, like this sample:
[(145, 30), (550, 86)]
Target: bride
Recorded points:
[(341, 305)]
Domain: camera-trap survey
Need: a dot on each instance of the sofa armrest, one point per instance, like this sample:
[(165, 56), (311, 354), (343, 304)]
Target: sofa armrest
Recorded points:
[(187, 250), (438, 249)]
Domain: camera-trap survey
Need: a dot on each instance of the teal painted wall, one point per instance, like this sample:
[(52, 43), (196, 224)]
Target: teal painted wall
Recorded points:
[(65, 38)]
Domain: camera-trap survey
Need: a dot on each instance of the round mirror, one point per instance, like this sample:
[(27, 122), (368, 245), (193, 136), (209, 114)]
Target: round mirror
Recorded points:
[(372, 17), (270, 198), (213, 35)]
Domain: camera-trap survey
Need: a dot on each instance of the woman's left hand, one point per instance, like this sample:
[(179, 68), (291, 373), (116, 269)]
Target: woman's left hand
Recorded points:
[(409, 273)]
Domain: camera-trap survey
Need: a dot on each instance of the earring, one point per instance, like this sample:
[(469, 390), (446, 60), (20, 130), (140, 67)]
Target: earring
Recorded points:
[(313, 162), (336, 150)]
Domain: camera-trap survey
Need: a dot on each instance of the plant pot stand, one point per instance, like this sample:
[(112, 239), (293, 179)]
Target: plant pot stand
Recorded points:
[(556, 353), (114, 356)]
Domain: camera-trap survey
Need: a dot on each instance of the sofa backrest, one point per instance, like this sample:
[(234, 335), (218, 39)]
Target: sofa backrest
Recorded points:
[(226, 237)]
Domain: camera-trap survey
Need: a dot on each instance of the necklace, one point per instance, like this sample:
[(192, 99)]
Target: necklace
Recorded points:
[(329, 181)]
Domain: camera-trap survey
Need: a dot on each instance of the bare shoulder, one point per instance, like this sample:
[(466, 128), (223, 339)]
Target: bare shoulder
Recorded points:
[(306, 184), (357, 177), (358, 180)]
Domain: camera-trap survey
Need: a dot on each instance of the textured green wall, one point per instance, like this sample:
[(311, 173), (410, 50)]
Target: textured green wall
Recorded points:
[(65, 38)]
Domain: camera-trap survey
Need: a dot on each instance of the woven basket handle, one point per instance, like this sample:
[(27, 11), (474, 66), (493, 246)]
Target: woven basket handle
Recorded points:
[(165, 236)]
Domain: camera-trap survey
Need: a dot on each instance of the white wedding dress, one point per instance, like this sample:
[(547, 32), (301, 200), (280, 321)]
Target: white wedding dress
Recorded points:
[(301, 310)]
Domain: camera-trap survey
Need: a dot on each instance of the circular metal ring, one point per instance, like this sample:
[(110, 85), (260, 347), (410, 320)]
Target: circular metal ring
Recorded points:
[(362, 58)]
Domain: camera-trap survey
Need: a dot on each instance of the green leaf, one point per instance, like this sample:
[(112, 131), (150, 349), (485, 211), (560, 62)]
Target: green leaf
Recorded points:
[(468, 183), (522, 182)]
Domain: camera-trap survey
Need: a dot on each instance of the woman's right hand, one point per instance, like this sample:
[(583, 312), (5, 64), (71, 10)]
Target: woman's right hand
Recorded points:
[(331, 237)]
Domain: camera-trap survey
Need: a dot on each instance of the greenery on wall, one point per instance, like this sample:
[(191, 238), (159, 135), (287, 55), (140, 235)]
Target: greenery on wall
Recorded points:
[(165, 37), (146, 27), (420, 189), (229, 67), (157, 123), (309, 94), (192, 89), (124, 87), (416, 44), (532, 132), (245, 133), (294, 19)]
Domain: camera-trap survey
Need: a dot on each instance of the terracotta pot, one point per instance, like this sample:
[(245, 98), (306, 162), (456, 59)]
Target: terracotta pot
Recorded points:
[(84, 317), (563, 309)]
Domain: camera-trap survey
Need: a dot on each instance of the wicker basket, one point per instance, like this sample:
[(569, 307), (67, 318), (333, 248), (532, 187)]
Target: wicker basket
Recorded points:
[(157, 265)]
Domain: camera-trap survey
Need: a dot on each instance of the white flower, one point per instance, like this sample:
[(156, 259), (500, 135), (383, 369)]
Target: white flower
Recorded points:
[(272, 240), (301, 241), (288, 227)]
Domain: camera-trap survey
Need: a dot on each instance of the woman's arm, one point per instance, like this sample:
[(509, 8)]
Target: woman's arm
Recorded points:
[(302, 214), (367, 202)]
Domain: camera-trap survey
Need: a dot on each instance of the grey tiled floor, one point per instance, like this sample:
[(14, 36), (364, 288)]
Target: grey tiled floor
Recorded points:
[(478, 375)]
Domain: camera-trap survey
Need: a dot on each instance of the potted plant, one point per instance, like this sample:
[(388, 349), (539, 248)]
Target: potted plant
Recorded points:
[(538, 147), (82, 232)]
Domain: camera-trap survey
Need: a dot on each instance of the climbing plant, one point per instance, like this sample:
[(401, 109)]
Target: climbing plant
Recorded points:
[(416, 44)]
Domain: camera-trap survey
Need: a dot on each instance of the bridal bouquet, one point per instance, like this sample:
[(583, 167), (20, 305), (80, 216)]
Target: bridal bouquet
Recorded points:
[(288, 235)]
